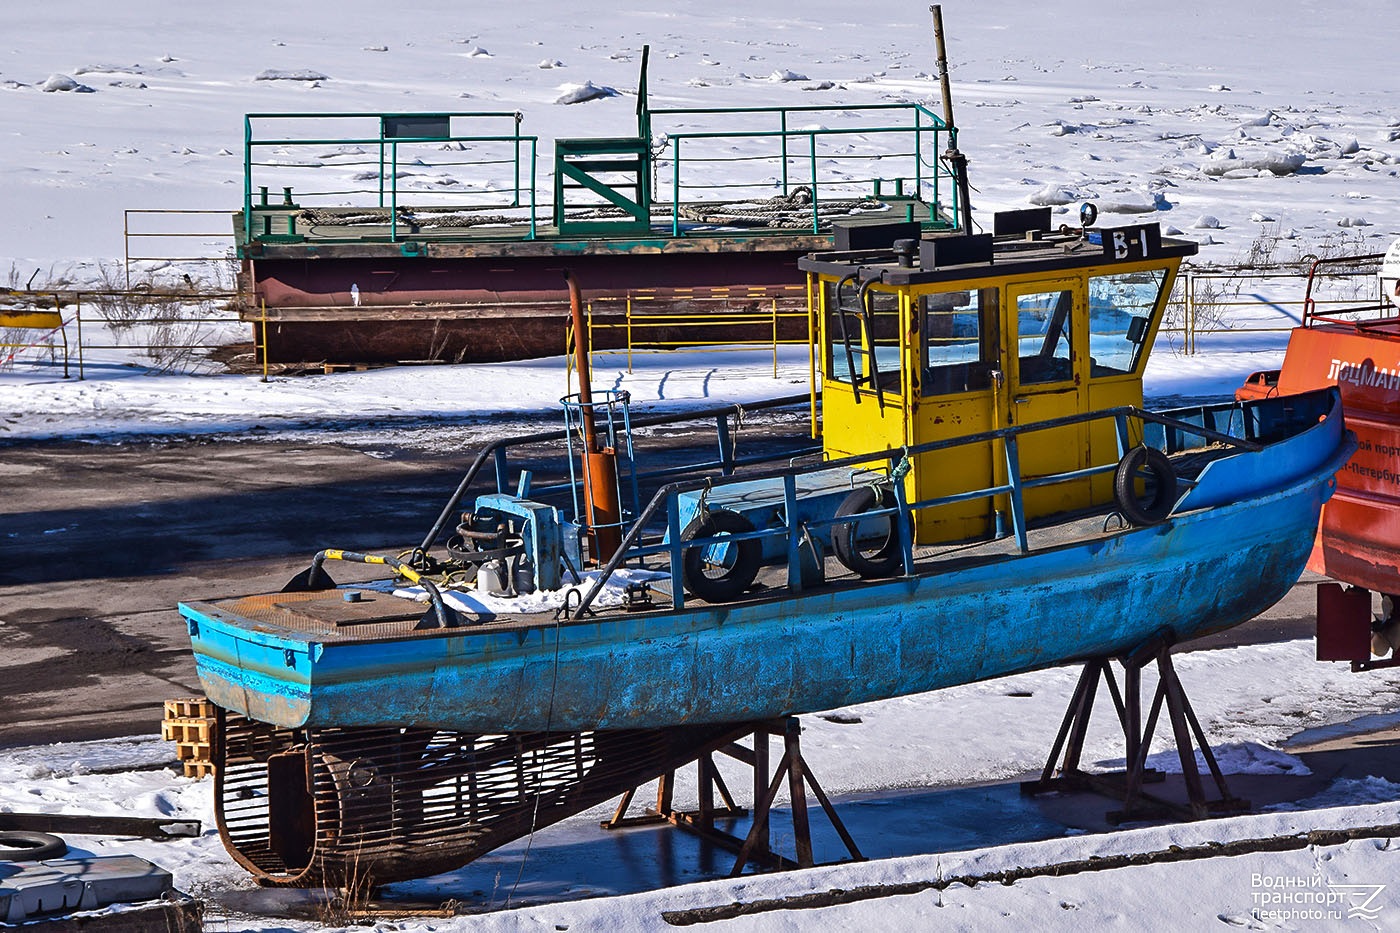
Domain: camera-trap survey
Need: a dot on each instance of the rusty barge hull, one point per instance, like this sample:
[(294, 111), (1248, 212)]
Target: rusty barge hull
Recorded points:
[(499, 301)]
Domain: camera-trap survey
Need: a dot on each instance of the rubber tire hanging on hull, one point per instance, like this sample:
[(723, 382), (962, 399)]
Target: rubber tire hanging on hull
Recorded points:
[(885, 560), (740, 563), (1153, 508)]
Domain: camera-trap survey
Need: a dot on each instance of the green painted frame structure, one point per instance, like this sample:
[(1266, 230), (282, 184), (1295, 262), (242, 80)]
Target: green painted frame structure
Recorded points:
[(620, 172)]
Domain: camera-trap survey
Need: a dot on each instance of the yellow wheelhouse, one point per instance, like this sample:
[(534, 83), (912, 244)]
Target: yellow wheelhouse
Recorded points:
[(956, 335)]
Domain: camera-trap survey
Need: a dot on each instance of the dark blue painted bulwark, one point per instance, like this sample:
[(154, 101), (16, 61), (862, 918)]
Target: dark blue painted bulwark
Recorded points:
[(1250, 521)]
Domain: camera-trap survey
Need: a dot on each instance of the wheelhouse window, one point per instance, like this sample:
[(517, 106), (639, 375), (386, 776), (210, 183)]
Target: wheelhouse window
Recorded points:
[(1043, 322), (1120, 316), (959, 333), (863, 339)]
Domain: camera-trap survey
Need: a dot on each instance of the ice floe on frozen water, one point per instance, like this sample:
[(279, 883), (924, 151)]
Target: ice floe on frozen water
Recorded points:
[(1236, 758), (1132, 202), (62, 82), (1054, 195), (295, 74), (1352, 791), (579, 93), (1274, 162), (146, 71)]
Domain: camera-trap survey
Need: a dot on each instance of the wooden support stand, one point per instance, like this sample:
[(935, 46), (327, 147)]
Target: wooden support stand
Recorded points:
[(755, 847), (1127, 785)]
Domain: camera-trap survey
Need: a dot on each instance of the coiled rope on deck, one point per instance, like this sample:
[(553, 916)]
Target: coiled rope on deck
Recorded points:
[(792, 210), (782, 211), (417, 218)]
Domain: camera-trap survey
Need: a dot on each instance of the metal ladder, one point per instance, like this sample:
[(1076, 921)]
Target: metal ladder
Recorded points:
[(858, 306)]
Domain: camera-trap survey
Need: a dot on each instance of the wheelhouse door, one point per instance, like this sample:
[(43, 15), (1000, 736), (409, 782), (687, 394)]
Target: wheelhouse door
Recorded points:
[(1046, 321), (958, 392)]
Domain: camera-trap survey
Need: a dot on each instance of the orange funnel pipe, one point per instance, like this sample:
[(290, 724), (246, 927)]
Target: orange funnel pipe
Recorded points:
[(603, 508)]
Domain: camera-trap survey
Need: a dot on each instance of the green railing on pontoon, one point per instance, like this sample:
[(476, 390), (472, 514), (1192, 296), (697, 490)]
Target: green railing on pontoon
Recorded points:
[(392, 132), (392, 160), (923, 129)]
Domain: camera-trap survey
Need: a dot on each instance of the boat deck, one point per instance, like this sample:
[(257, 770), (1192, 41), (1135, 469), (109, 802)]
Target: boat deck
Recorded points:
[(373, 614), (467, 232)]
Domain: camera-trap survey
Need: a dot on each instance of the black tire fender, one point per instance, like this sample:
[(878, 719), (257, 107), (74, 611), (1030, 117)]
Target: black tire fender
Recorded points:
[(1152, 464), (746, 556), (23, 846), (886, 560)]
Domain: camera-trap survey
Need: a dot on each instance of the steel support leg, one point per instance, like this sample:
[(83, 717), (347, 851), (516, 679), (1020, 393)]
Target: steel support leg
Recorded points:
[(1127, 785), (799, 778), (755, 847)]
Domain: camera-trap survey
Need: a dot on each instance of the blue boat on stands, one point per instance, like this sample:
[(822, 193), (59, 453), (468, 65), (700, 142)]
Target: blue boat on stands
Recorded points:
[(988, 496)]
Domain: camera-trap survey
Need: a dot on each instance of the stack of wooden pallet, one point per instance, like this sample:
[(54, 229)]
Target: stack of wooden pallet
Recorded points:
[(189, 724)]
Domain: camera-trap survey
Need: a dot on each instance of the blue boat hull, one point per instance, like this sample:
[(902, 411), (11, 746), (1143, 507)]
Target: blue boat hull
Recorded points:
[(1208, 567)]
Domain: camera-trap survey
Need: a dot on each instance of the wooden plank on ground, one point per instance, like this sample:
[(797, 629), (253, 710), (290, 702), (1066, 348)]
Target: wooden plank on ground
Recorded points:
[(84, 825)]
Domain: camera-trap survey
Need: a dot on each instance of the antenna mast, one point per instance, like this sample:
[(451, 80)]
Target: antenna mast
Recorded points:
[(956, 160)]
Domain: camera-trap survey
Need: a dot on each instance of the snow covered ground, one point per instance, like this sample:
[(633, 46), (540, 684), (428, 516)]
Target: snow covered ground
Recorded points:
[(1267, 119), (1247, 126), (875, 760)]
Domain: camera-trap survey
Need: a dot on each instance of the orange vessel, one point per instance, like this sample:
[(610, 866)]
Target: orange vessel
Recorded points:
[(1358, 349)]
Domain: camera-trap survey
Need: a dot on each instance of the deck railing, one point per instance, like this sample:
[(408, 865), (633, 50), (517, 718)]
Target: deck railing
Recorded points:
[(649, 322), (1240, 301), (1356, 271), (725, 461), (667, 499), (186, 239), (873, 157), (175, 329), (427, 141), (901, 146), (1237, 428)]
